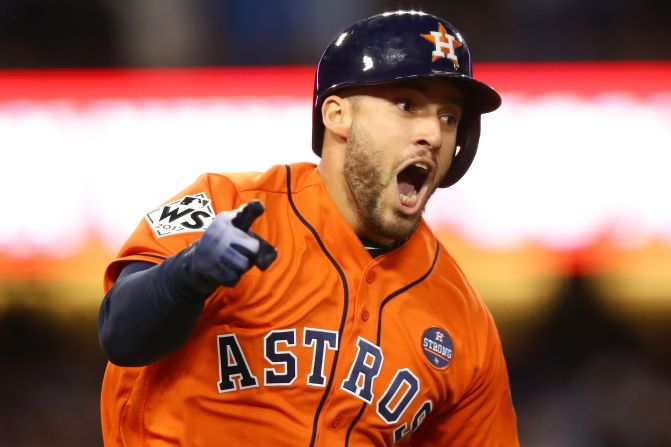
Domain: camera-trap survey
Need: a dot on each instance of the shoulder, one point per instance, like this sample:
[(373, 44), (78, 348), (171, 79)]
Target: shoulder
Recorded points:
[(470, 319), (278, 178), (458, 291)]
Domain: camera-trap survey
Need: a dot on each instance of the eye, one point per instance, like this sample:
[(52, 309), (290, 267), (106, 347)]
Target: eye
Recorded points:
[(405, 105), (449, 119)]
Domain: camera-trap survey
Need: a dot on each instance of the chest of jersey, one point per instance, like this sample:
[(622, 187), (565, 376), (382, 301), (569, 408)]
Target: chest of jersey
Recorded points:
[(336, 353)]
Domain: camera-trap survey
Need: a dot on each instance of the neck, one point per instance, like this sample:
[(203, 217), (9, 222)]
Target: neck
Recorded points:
[(333, 179)]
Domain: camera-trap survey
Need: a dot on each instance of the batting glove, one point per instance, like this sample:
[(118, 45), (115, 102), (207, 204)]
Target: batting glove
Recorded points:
[(228, 248)]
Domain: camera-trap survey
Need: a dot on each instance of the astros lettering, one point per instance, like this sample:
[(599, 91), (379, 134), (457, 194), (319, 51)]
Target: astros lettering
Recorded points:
[(235, 373)]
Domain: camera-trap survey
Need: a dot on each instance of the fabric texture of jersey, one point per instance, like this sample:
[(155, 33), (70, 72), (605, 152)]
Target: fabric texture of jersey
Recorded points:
[(328, 347)]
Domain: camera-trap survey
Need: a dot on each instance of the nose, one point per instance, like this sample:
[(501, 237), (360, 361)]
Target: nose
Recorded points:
[(429, 132)]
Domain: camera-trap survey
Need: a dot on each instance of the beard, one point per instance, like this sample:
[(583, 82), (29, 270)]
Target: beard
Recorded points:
[(367, 183)]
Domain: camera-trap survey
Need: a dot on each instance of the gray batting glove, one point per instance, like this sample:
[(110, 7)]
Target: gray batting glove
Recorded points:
[(228, 249)]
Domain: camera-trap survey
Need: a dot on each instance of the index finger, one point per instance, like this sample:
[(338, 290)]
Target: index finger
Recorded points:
[(247, 215)]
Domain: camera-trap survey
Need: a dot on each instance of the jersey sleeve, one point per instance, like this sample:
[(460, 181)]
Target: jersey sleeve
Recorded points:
[(175, 224), (485, 415)]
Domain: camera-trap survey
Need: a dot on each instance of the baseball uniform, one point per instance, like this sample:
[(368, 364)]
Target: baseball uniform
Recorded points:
[(328, 346)]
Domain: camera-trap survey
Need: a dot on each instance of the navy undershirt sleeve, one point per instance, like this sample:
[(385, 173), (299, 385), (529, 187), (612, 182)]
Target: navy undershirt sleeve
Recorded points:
[(150, 311)]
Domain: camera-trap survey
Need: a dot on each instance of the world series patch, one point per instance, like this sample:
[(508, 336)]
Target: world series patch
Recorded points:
[(437, 347), (186, 215)]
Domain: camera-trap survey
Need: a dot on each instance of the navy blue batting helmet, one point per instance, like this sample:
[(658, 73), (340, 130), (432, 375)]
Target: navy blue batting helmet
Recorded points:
[(401, 45)]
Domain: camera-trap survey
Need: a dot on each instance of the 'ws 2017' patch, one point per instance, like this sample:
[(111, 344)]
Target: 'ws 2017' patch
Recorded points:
[(437, 347), (186, 215)]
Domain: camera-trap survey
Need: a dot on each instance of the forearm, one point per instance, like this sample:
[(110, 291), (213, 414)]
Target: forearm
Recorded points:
[(150, 311)]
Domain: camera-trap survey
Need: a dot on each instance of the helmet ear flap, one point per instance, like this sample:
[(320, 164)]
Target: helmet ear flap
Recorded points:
[(468, 135)]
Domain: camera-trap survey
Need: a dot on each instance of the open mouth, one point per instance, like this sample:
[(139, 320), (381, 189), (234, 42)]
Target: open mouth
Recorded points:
[(411, 180)]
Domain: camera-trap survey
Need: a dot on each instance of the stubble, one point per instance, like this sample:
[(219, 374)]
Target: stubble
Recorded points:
[(367, 182)]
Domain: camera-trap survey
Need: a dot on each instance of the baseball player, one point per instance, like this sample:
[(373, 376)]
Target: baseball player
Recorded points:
[(311, 305)]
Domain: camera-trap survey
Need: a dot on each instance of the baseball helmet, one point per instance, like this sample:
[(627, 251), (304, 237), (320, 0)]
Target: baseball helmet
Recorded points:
[(401, 45)]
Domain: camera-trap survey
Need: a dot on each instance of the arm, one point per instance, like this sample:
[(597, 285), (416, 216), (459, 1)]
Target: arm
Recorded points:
[(152, 309), (484, 416)]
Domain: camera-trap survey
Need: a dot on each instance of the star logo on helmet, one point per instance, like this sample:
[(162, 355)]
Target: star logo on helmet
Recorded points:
[(445, 45)]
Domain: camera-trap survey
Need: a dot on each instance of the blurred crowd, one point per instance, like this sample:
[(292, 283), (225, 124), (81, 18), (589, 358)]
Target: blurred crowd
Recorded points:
[(108, 33)]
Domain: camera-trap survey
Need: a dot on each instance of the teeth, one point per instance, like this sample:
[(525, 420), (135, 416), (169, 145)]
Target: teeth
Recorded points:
[(408, 200), (421, 166)]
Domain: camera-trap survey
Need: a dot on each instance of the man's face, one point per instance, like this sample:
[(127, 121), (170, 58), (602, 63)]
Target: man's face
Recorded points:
[(400, 145)]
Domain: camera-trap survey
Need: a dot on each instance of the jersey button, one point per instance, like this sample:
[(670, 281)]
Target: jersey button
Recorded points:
[(365, 315), (370, 276), (335, 422)]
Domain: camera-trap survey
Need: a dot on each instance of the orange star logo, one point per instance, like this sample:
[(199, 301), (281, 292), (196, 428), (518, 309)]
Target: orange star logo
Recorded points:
[(445, 45)]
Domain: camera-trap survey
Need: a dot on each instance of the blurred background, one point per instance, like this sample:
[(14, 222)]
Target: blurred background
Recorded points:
[(108, 108)]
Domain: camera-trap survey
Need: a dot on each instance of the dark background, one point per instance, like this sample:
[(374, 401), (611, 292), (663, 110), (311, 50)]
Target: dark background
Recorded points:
[(581, 378), (162, 33)]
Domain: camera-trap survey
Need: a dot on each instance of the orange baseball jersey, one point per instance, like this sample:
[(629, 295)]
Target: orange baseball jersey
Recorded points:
[(328, 347)]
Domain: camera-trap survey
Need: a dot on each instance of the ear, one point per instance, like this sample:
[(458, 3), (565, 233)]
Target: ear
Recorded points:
[(337, 115)]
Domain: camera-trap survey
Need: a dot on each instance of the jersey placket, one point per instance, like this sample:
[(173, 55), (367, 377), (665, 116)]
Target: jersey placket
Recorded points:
[(358, 360)]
